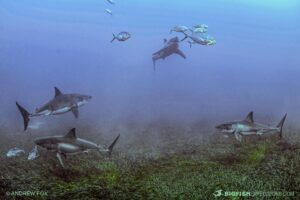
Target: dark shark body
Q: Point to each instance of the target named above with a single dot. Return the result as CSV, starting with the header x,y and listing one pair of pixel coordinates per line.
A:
x,y
249,127
70,144
60,104
171,47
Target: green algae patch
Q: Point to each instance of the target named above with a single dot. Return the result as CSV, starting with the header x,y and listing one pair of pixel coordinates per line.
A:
x,y
258,154
194,173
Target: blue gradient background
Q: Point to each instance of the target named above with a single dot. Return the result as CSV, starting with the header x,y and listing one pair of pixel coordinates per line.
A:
x,y
255,64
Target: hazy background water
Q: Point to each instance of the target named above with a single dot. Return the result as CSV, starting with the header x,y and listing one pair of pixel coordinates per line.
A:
x,y
66,43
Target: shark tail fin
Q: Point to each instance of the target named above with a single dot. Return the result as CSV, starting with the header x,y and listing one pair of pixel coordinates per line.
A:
x,y
280,125
110,148
25,114
114,37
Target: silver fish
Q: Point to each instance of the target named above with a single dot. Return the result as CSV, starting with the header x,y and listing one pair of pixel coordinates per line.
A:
x,y
111,1
122,36
14,152
108,11
33,154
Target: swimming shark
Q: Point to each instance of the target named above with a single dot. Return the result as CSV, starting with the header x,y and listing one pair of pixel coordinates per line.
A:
x,y
70,144
249,127
61,103
170,48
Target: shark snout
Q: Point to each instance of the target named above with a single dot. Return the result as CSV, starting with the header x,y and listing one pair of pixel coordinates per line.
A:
x,y
224,127
85,99
219,127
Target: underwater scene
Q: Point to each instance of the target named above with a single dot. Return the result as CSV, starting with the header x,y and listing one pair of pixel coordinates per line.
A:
x,y
132,99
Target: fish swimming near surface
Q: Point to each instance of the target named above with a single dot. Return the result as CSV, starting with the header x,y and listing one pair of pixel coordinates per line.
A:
x,y
108,11
122,36
70,144
249,127
110,1
170,47
60,104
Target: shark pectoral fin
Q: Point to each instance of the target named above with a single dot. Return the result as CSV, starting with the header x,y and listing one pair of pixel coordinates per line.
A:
x,y
238,136
75,112
180,53
58,155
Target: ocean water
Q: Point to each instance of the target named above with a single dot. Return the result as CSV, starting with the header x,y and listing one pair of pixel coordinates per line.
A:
x,y
169,147
254,66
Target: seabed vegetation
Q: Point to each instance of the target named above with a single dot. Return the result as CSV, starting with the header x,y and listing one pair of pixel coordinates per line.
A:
x,y
158,163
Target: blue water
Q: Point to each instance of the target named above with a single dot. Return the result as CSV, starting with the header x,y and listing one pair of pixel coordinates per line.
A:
x,y
66,43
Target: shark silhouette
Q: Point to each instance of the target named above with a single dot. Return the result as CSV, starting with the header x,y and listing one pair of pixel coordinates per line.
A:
x,y
249,127
61,103
70,144
171,47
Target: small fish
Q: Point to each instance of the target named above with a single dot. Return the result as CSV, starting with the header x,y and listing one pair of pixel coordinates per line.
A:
x,y
14,152
179,29
33,154
202,39
111,1
108,11
122,36
199,30
201,26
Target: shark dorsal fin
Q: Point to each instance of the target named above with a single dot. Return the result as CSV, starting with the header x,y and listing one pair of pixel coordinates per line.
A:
x,y
71,134
249,117
57,92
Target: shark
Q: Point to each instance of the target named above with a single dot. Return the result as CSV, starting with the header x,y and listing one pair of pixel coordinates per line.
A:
x,y
171,47
60,104
70,144
247,126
